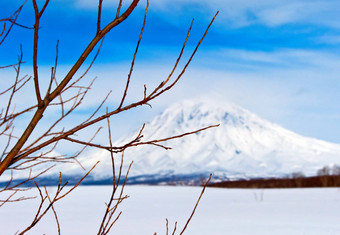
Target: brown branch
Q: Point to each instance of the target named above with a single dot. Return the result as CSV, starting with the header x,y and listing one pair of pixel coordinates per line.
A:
x,y
74,106
111,153
35,49
40,214
77,184
9,66
173,233
176,64
187,64
87,70
107,227
167,226
99,15
53,74
17,24
3,29
17,187
14,86
193,211
54,212
8,199
98,108
29,178
15,191
12,19
90,47
87,143
118,8
106,221
8,143
173,137
41,158
13,116
134,56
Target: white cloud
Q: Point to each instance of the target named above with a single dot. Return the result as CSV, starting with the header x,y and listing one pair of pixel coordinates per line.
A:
x,y
266,12
235,13
329,39
284,57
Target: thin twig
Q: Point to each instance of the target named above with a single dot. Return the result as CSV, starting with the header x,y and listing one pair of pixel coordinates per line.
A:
x,y
35,49
15,84
118,8
193,211
134,56
154,95
99,15
13,18
54,212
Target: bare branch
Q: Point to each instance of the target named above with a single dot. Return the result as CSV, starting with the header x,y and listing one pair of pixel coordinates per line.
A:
x,y
3,30
99,15
58,196
118,8
154,95
19,81
87,70
90,47
99,107
53,73
175,66
35,48
105,228
153,142
14,86
12,19
199,198
134,56
173,233
54,212
77,184
167,227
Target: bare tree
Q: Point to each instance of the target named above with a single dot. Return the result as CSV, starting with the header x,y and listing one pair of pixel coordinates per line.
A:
x,y
24,150
324,171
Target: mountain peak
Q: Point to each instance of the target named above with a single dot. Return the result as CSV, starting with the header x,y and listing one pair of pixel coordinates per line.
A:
x,y
243,146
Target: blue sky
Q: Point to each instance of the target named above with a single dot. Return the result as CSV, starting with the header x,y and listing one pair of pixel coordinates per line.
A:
x,y
279,59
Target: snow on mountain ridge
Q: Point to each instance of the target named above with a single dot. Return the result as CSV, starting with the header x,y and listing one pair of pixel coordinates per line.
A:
x,y
243,146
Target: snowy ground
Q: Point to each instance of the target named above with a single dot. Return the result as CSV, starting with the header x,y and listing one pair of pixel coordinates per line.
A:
x,y
221,211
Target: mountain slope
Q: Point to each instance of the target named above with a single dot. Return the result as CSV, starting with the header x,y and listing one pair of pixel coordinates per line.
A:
x,y
244,146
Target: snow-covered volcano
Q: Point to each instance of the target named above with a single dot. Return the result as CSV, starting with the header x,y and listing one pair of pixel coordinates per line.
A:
x,y
243,146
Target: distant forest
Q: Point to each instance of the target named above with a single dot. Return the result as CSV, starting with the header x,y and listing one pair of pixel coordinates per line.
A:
x,y
326,177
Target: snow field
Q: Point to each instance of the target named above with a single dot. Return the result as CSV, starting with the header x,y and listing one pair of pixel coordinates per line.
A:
x,y
221,211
